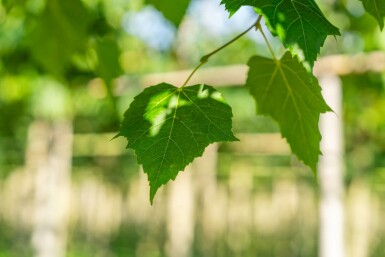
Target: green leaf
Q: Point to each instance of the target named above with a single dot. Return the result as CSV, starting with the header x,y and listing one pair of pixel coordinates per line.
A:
x,y
172,10
60,32
232,6
168,127
298,23
283,89
377,9
108,52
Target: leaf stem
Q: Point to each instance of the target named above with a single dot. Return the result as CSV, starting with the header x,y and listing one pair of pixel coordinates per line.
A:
x,y
206,57
192,73
267,42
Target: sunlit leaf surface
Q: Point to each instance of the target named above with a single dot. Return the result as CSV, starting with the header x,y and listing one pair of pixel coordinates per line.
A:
x,y
168,127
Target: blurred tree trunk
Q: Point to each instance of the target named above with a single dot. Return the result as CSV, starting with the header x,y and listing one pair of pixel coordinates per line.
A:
x,y
48,157
331,172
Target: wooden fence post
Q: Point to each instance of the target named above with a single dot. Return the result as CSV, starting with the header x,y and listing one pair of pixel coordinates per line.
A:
x,y
330,170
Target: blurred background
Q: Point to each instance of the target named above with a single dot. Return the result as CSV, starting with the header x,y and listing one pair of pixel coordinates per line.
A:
x,y
68,71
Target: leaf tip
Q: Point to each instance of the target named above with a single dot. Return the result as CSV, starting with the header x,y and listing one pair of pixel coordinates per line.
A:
x,y
313,168
153,190
381,26
151,200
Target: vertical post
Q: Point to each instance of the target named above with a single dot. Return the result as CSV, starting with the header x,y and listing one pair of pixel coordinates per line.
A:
x,y
331,172
49,155
197,181
180,223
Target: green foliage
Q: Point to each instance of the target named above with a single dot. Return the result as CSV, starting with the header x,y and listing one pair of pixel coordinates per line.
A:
x,y
283,90
168,127
108,53
233,6
172,10
297,23
377,9
59,33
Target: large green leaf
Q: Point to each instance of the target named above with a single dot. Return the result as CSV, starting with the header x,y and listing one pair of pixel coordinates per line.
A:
x,y
298,23
284,90
60,32
172,10
377,9
168,127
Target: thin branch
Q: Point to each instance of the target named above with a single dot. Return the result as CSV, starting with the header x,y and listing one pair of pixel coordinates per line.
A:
x,y
206,57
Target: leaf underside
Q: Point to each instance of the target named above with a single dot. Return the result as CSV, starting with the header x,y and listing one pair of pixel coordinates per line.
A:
x,y
168,127
298,24
377,9
284,90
